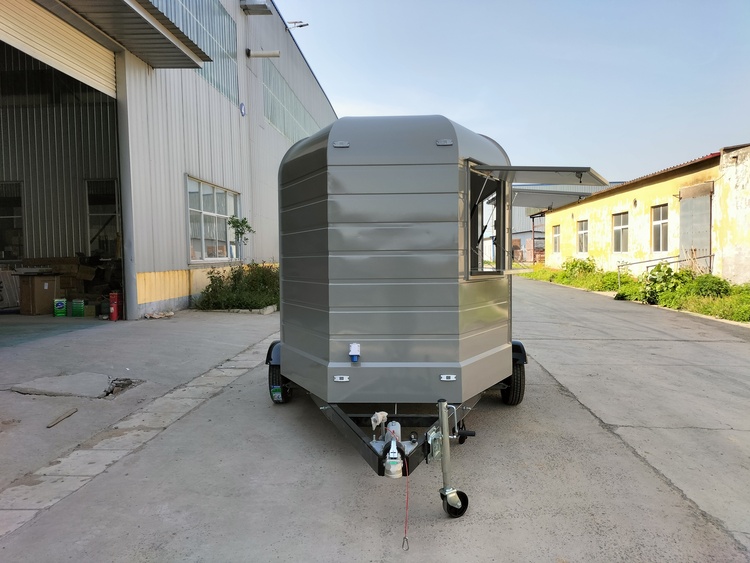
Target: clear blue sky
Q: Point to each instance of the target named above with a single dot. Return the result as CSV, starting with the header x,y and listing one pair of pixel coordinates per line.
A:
x,y
628,88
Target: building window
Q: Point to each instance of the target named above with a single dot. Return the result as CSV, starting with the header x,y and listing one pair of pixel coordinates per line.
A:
x,y
104,218
210,235
11,223
620,232
583,236
556,239
283,108
659,228
207,24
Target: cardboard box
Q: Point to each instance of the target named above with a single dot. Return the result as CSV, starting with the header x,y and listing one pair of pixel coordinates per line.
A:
x,y
52,262
86,273
38,294
65,269
8,290
71,282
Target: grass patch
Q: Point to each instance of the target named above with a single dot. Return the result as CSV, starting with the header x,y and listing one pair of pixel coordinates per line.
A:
x,y
681,289
582,274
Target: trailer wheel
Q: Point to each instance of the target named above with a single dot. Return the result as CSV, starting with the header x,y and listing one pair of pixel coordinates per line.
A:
x,y
454,512
278,385
513,394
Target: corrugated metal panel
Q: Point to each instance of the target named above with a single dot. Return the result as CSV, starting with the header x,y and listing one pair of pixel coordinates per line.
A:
x,y
55,134
147,30
179,125
35,31
268,144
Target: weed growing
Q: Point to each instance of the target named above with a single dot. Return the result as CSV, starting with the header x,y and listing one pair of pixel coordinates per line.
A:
x,y
677,289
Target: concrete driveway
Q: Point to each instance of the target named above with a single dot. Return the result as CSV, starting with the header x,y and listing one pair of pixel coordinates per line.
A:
x,y
674,386
628,411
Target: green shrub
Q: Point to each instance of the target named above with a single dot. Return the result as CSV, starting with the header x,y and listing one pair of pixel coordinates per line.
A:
x,y
582,274
630,290
562,277
541,273
708,285
677,289
661,279
610,281
576,266
731,307
243,286
673,299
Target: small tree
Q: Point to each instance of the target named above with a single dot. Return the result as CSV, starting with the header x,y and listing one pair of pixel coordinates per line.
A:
x,y
241,228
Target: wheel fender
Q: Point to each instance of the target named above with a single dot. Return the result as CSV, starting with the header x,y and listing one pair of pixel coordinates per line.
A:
x,y
519,352
273,356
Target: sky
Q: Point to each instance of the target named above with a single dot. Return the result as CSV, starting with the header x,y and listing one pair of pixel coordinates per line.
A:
x,y
628,88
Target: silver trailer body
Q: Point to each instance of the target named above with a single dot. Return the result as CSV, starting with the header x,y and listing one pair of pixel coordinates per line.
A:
x,y
383,226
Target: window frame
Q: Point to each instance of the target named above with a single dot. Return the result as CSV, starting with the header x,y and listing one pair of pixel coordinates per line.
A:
x,y
215,214
485,217
620,232
662,224
556,239
92,211
15,221
582,238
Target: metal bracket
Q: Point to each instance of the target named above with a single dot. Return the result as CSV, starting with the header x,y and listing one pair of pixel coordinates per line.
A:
x,y
341,378
434,438
448,377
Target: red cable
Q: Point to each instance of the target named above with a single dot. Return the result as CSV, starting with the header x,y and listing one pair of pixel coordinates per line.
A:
x,y
405,543
406,519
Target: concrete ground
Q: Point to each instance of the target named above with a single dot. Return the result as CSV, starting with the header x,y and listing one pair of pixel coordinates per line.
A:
x,y
162,354
630,445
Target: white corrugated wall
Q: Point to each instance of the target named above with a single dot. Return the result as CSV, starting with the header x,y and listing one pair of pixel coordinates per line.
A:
x,y
268,145
177,125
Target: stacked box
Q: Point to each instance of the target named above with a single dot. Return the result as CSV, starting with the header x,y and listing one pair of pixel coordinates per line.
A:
x,y
60,307
78,308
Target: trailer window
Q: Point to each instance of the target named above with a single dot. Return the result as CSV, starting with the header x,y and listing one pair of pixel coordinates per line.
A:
x,y
486,219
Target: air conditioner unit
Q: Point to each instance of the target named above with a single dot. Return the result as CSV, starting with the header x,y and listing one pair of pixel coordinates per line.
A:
x,y
255,8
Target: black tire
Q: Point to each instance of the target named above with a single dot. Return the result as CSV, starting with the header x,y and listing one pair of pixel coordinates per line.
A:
x,y
278,385
513,394
454,512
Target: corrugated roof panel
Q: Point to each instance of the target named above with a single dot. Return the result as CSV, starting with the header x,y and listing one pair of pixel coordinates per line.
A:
x,y
143,30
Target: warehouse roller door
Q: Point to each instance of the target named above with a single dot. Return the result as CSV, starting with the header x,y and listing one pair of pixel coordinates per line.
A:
x,y
37,32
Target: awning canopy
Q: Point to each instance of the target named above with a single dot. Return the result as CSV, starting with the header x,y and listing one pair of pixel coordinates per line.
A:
x,y
584,175
539,197
545,199
137,25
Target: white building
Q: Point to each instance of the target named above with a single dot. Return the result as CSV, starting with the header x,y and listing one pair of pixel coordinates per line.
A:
x,y
131,130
